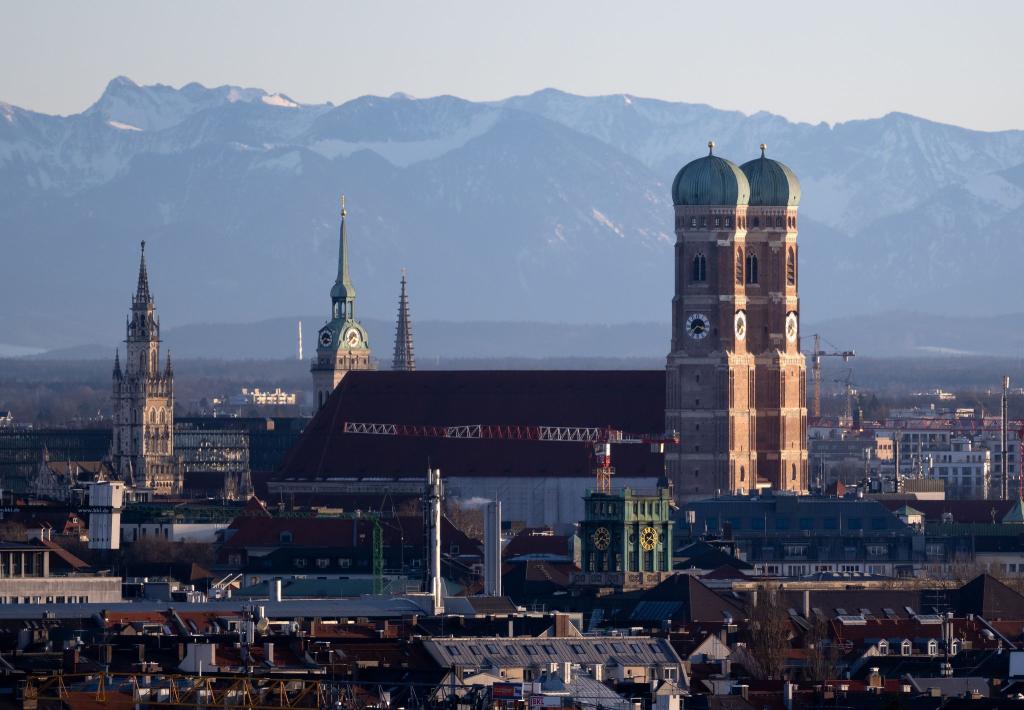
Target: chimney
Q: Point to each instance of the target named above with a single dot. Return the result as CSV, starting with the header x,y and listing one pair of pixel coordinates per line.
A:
x,y
807,604
511,626
433,497
274,590
597,671
492,549
787,695
745,692
564,671
874,679
268,652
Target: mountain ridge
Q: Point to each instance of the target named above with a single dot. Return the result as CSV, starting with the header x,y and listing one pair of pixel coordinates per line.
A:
x,y
547,206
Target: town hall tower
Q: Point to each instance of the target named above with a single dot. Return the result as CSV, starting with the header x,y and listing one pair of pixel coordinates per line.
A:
x,y
142,449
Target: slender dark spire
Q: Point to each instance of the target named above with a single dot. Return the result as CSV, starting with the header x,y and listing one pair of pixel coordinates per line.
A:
x,y
343,289
142,294
404,359
168,370
117,363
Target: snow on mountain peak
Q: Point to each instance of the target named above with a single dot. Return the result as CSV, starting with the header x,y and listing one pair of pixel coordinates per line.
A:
x,y
278,100
123,126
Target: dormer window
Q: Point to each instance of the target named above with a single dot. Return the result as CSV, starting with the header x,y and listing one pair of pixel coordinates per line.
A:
x,y
883,648
933,647
906,648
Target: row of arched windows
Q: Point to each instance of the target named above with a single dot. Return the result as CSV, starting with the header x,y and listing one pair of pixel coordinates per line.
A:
x,y
719,222
746,272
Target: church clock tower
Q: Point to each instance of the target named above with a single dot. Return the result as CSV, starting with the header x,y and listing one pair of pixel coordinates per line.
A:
x,y
710,372
142,450
774,306
342,344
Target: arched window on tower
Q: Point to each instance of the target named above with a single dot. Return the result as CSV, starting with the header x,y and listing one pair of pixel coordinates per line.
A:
x,y
778,221
739,266
791,267
699,267
757,221
751,268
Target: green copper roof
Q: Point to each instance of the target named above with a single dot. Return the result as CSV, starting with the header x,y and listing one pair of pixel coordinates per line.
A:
x,y
772,184
1015,514
710,181
343,289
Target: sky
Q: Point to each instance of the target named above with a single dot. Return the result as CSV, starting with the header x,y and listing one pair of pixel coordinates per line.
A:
x,y
954,62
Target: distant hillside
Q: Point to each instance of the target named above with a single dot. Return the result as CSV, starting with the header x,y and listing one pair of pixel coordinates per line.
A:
x,y
542,208
883,335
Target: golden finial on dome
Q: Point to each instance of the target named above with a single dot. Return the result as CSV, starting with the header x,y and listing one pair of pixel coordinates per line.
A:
x,y
764,147
711,147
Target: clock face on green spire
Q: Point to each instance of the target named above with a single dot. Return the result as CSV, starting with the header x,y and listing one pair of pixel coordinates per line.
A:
x,y
353,338
326,338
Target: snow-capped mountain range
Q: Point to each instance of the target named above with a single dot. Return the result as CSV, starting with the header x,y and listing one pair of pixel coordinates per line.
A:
x,y
548,207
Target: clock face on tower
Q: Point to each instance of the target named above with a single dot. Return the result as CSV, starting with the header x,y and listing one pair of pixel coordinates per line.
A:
x,y
791,327
698,326
326,338
648,538
740,323
352,337
601,538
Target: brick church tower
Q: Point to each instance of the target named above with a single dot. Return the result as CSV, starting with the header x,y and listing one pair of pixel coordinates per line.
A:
x,y
774,306
710,374
342,344
735,376
142,450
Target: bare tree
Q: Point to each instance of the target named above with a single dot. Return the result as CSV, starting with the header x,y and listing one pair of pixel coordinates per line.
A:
x,y
770,631
822,654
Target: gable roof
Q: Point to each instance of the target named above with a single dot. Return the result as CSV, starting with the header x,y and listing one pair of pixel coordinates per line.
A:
x,y
630,400
988,597
682,597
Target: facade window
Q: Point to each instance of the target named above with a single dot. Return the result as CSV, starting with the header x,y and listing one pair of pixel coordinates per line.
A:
x,y
728,221
718,221
757,221
791,267
700,267
300,562
285,537
739,266
792,476
751,268
743,474
703,222
322,562
778,221
693,221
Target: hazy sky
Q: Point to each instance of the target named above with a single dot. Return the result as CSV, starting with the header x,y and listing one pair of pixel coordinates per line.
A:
x,y
821,60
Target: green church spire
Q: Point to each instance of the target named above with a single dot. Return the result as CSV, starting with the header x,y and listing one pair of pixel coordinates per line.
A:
x,y
343,293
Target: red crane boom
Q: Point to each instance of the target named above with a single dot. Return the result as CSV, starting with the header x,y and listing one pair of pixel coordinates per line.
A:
x,y
601,437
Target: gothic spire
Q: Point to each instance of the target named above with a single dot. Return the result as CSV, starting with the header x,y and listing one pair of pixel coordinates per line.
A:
x,y
117,363
168,371
142,294
404,359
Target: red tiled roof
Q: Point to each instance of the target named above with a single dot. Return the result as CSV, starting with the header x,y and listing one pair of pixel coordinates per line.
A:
x,y
633,401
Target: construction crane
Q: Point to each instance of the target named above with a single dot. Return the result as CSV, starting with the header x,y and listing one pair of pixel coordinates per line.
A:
x,y
850,389
816,356
601,438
